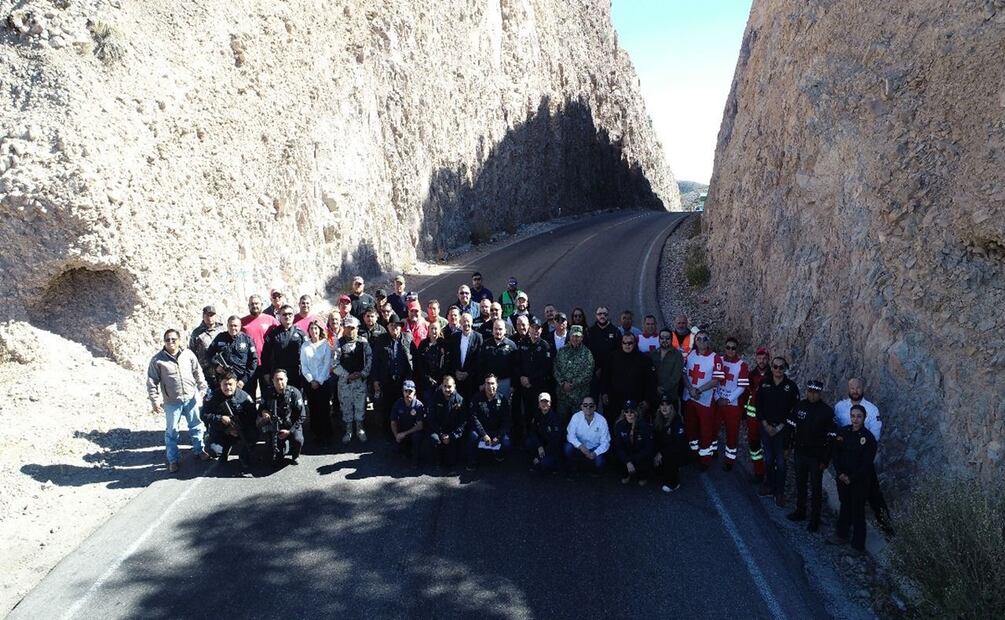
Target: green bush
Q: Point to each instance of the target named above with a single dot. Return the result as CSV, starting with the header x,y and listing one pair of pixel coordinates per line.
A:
x,y
696,267
951,545
481,232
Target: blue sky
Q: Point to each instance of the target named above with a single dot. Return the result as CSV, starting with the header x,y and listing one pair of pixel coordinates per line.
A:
x,y
685,52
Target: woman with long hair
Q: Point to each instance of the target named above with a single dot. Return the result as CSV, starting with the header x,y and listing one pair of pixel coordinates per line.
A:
x,y
316,367
632,441
670,443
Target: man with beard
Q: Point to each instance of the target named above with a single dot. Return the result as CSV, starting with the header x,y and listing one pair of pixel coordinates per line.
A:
x,y
371,330
282,349
256,324
522,309
230,416
484,315
234,352
682,338
873,422
603,339
630,377
703,372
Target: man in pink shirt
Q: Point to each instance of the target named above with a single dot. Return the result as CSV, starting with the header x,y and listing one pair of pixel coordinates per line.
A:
x,y
256,325
305,317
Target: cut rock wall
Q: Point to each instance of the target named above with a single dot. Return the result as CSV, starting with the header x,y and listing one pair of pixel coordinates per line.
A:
x,y
155,157
860,173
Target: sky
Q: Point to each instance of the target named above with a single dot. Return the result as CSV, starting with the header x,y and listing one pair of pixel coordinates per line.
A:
x,y
684,52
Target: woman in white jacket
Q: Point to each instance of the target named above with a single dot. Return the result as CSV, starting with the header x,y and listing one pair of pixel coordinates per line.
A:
x,y
316,367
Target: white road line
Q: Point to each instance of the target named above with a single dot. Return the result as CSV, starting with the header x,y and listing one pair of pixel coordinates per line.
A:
x,y
748,558
645,269
83,600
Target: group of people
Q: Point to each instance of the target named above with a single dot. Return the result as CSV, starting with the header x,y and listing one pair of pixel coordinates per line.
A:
x,y
490,377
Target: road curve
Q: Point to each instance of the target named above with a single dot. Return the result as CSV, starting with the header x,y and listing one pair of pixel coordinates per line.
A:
x,y
359,535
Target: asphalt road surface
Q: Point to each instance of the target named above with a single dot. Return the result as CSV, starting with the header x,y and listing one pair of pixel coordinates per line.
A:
x,y
360,535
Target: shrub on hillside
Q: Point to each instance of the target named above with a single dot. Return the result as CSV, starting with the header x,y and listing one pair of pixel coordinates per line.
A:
x,y
481,232
695,266
951,544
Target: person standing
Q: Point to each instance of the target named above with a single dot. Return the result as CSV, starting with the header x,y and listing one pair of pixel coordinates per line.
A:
x,y
649,339
873,422
408,417
256,324
776,398
202,337
703,373
230,416
433,314
522,309
499,357
282,348
633,444
432,359
587,438
536,370
681,338
559,335
316,368
465,357
484,315
630,377
729,398
489,423
278,301
478,290
854,452
495,314
233,351
303,319
507,300
281,418
465,304
415,327
176,387
669,364
392,366
573,373
371,330
603,340
397,298
670,442
812,423
359,299
352,365
627,325
756,375
448,417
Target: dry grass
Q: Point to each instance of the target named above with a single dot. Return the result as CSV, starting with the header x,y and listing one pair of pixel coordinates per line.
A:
x,y
109,45
696,266
951,545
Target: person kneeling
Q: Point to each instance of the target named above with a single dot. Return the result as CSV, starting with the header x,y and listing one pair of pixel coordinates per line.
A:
x,y
407,420
633,444
490,423
587,438
230,416
546,436
281,418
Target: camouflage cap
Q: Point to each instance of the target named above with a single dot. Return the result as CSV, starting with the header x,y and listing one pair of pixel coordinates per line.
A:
x,y
576,330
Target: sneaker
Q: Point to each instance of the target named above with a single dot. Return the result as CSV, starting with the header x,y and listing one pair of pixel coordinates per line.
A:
x,y
626,480
346,438
173,468
666,489
361,435
796,515
293,461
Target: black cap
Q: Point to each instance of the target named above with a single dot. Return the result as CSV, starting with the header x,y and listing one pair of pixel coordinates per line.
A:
x,y
380,293
535,322
665,399
815,384
629,406
561,317
210,310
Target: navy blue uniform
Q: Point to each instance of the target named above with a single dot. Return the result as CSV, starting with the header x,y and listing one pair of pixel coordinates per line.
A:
x,y
405,418
670,442
447,417
854,452
240,409
547,431
237,354
633,443
488,417
812,427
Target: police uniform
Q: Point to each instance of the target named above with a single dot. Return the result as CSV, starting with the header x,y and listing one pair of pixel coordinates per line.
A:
x,y
536,361
406,417
237,354
287,411
282,350
774,404
854,452
546,431
488,417
812,426
633,443
447,416
240,408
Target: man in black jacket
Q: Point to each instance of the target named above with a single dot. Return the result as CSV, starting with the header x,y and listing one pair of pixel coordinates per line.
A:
x,y
489,423
603,339
281,418
447,418
535,369
370,330
230,416
392,365
630,376
812,423
854,452
776,398
281,350
499,357
464,353
233,351
632,442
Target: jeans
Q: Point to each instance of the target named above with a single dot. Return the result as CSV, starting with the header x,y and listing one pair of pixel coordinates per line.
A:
x,y
575,459
774,461
173,413
473,440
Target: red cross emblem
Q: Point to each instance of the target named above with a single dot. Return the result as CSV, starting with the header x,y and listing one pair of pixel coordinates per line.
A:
x,y
729,375
696,374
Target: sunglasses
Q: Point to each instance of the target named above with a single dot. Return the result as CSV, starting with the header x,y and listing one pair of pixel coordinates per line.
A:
x,y
702,339
730,347
588,405
777,367
601,314
627,343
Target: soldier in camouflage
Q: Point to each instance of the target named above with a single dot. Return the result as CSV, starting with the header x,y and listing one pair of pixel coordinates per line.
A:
x,y
353,360
573,372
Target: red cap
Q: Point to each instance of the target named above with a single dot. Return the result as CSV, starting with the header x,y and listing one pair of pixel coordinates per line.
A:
x,y
762,351
414,305
343,298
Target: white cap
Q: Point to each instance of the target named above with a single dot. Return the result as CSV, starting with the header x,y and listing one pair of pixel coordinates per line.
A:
x,y
544,396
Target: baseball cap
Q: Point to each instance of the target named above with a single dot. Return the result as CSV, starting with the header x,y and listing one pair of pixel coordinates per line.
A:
x,y
535,322
350,321
408,385
380,293
630,405
275,292
544,396
414,305
815,385
344,298
665,399
522,295
210,310
561,318
761,351
576,330
357,279
512,281
399,278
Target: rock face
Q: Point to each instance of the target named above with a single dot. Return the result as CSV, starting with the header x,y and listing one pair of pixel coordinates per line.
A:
x,y
860,172
155,157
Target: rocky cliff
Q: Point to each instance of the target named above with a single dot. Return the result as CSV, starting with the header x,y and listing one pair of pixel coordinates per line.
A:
x,y
155,157
856,216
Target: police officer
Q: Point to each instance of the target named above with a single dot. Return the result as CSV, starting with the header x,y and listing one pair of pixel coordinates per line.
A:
x,y
812,423
230,416
489,423
776,398
604,339
854,451
573,373
233,351
447,417
499,357
632,442
352,365
408,421
392,365
282,348
546,436
281,418
670,442
535,369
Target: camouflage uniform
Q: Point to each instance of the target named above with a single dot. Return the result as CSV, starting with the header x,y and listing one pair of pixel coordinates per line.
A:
x,y
352,356
575,365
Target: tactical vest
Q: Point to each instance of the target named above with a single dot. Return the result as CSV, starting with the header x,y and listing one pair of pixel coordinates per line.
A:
x,y
354,361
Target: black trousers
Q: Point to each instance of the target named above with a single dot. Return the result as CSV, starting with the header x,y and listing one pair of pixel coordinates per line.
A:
x,y
876,501
852,514
410,446
672,457
809,477
446,454
221,443
320,410
390,392
291,445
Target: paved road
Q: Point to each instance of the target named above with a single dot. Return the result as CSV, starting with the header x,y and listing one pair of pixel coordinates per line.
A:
x,y
359,535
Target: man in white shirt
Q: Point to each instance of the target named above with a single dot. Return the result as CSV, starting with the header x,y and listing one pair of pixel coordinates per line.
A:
x,y
587,438
559,334
842,418
649,339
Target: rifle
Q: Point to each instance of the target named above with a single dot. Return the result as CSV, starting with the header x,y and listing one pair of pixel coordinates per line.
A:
x,y
236,428
274,430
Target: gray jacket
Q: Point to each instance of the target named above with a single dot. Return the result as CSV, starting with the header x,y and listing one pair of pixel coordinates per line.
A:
x,y
176,379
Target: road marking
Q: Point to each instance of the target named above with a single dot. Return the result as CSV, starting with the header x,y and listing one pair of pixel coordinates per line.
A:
x,y
133,548
645,267
748,558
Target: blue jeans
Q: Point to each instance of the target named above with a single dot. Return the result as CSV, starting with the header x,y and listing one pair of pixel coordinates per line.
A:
x,y
575,459
173,413
473,440
774,460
